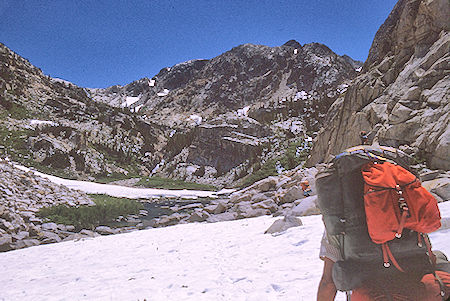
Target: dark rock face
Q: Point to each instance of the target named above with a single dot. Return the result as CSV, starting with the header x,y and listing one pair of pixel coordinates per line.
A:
x,y
402,95
225,143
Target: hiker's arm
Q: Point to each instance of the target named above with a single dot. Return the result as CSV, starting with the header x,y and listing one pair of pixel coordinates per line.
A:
x,y
327,289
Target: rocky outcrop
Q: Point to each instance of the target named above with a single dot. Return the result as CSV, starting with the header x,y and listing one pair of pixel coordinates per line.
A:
x,y
402,95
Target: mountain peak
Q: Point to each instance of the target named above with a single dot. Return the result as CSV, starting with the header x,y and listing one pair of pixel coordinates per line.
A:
x,y
293,43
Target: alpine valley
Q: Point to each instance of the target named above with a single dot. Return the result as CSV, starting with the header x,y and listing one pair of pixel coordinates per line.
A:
x,y
256,119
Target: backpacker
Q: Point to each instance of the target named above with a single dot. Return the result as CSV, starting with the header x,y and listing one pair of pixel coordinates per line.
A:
x,y
377,214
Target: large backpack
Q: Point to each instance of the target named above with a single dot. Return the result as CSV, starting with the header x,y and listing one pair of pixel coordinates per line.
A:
x,y
377,214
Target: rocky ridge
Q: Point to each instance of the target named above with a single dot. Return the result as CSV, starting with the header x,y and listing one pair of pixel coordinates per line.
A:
x,y
402,96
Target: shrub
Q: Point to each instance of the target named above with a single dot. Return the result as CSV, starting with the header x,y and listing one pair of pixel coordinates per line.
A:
x,y
267,169
165,183
105,212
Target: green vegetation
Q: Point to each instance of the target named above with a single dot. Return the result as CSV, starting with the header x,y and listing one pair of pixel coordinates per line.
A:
x,y
115,176
13,142
165,183
13,110
296,153
105,211
261,172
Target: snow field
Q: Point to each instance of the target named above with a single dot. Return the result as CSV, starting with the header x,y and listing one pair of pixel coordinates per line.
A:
x,y
199,261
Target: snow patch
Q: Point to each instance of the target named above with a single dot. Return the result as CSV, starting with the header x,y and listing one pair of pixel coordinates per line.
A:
x,y
129,100
243,111
136,109
342,88
151,83
303,95
165,92
197,119
158,166
46,122
62,81
121,191
358,69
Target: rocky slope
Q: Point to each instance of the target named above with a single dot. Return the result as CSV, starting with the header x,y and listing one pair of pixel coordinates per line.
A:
x,y
55,126
22,195
248,104
403,93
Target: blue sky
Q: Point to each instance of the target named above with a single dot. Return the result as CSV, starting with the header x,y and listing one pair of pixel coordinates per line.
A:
x,y
102,43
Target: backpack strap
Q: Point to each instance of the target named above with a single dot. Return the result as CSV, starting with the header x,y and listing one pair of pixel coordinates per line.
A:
x,y
388,256
433,262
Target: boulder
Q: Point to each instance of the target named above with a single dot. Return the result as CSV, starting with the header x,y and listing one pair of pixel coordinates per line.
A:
x,y
294,193
49,237
306,206
284,224
430,175
88,233
29,242
198,216
169,220
221,208
74,236
5,242
245,210
222,217
258,197
239,197
268,204
20,235
49,226
104,230
266,184
439,186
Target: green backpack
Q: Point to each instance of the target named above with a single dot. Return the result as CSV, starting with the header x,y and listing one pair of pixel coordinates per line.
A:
x,y
340,190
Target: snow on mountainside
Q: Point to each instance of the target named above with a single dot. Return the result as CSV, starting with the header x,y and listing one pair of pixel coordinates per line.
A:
x,y
221,261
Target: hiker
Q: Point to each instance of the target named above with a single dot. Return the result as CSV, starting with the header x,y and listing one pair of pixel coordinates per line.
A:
x,y
329,254
364,136
425,290
306,188
372,249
